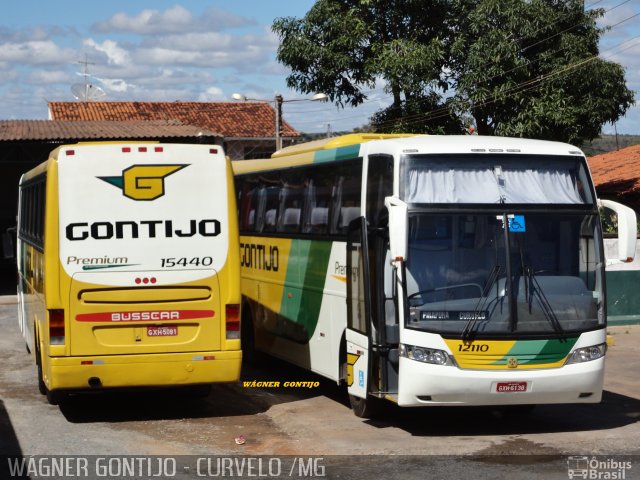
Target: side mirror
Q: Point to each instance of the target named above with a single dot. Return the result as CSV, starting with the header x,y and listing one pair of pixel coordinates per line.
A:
x,y
398,220
627,231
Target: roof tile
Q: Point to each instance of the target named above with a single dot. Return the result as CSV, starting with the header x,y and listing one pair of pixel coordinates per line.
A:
x,y
16,130
617,171
231,119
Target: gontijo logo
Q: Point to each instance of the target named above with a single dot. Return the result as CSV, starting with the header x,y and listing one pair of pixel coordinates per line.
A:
x,y
143,182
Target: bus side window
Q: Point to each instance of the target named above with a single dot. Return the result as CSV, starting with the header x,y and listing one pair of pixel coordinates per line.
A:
x,y
317,200
379,185
248,204
40,213
346,200
290,208
269,212
32,205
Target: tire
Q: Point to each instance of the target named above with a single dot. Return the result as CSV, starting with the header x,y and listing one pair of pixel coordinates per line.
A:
x,y
250,356
198,391
42,388
54,397
369,407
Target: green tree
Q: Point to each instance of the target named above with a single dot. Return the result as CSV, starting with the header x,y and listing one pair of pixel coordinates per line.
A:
x,y
516,67
341,47
409,116
531,69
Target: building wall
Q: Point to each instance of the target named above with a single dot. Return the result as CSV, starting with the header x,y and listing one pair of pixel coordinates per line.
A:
x,y
252,149
623,286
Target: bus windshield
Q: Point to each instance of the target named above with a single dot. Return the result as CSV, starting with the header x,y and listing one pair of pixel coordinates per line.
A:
x,y
500,274
495,179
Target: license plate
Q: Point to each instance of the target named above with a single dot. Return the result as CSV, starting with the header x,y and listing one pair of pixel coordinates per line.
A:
x,y
162,331
511,387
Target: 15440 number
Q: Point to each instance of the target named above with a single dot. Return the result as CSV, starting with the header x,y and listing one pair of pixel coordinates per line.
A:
x,y
172,262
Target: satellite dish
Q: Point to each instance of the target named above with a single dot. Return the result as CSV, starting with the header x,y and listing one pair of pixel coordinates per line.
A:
x,y
87,92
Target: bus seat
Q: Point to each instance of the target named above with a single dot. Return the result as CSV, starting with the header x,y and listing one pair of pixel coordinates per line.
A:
x,y
319,216
347,215
270,218
291,217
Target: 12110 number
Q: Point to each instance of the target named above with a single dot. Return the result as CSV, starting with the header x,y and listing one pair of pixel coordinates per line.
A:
x,y
172,262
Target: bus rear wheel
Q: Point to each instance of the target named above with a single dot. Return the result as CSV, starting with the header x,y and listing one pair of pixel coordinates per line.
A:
x,y
53,397
42,388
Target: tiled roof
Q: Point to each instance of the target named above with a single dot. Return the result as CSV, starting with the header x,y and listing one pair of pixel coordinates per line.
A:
x,y
617,172
231,119
16,130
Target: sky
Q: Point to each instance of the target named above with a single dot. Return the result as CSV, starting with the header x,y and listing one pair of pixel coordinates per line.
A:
x,y
197,50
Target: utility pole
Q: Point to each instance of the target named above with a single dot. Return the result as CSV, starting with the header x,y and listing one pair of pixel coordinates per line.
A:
x,y
279,101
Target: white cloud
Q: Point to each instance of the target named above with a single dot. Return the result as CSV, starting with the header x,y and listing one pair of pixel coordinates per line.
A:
x,y
48,77
211,94
173,20
115,54
35,53
116,84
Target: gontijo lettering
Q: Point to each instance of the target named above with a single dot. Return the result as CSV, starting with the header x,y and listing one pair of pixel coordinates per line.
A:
x,y
258,257
142,229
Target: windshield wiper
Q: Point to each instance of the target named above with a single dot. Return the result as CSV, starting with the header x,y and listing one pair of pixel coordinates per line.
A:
x,y
470,326
533,286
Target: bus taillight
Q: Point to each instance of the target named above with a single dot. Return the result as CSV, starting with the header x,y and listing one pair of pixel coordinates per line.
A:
x,y
233,320
56,327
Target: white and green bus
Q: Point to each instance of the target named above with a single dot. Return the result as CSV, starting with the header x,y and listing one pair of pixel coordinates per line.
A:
x,y
429,270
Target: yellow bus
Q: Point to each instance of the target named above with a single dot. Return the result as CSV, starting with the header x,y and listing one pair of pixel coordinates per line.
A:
x,y
429,270
128,267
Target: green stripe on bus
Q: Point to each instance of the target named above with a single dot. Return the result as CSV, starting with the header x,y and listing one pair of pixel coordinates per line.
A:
x,y
341,153
304,283
293,281
538,352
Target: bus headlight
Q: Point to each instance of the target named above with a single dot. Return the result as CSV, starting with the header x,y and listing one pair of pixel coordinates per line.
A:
x,y
587,354
426,355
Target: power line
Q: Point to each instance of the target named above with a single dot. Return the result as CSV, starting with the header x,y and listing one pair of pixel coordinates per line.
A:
x,y
511,91
514,90
518,88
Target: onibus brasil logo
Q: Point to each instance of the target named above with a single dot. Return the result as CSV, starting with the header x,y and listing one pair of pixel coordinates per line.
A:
x,y
143,182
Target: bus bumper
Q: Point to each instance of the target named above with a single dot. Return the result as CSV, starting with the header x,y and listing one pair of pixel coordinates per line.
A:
x,y
149,370
422,384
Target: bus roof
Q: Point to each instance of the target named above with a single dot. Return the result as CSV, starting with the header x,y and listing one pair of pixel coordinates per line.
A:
x,y
336,142
316,151
353,145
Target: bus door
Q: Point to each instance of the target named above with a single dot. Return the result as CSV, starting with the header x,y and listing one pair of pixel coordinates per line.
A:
x,y
358,334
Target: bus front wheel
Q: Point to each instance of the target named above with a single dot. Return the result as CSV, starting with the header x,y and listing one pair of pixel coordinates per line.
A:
x,y
250,355
365,407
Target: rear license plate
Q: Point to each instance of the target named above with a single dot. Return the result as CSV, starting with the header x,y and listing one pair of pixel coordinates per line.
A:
x,y
511,387
162,331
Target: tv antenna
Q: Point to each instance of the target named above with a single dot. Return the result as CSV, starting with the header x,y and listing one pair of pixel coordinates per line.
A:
x,y
87,91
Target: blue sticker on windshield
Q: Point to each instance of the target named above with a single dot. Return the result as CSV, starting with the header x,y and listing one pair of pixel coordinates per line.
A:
x,y
516,224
